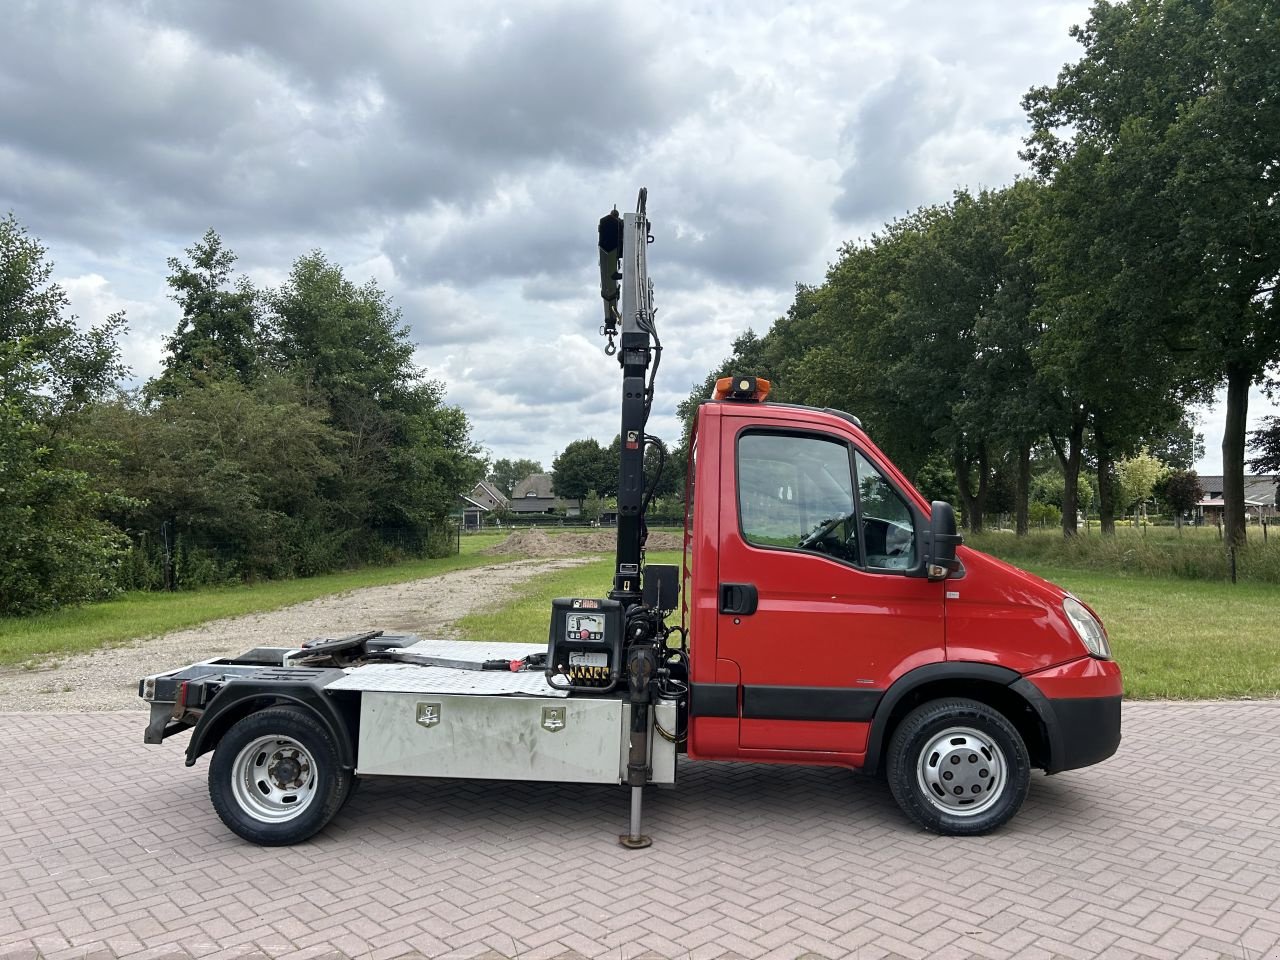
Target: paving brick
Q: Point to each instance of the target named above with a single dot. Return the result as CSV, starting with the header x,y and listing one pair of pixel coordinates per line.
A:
x,y
748,861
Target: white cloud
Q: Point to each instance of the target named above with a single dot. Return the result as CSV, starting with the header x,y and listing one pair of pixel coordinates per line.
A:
x,y
460,155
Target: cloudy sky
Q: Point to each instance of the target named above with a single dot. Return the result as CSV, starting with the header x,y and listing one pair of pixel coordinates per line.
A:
x,y
461,153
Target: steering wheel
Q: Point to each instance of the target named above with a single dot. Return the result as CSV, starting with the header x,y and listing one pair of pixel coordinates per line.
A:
x,y
822,531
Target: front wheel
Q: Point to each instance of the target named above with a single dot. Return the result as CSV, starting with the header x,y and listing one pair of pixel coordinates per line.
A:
x,y
275,778
958,767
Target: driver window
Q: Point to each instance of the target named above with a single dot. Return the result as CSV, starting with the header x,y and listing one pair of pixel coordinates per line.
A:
x,y
887,526
796,492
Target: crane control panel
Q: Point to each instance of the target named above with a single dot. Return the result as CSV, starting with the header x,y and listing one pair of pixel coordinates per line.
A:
x,y
584,648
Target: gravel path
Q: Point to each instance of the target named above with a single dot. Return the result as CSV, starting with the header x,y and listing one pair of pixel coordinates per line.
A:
x,y
108,679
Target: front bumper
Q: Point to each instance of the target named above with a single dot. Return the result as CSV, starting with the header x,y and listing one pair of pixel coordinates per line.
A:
x,y
1079,705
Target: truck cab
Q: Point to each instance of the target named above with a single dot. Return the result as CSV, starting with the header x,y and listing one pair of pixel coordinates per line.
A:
x,y
821,631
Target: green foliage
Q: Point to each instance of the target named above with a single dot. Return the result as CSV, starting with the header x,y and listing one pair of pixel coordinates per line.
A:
x,y
1160,144
404,454
1043,514
936,480
581,467
593,505
1180,490
1050,488
54,550
218,335
234,474
1142,551
1265,445
1138,476
344,344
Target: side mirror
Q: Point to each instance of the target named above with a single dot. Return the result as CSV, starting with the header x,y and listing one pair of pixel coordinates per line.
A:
x,y
941,542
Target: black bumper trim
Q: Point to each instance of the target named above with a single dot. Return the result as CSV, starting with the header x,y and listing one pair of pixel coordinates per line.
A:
x,y
713,700
1081,730
809,703
760,702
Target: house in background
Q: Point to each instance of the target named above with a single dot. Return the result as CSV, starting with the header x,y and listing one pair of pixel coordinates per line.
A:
x,y
1259,498
481,503
533,495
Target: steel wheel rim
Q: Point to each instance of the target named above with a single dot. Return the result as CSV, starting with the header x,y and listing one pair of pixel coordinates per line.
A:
x,y
962,772
274,779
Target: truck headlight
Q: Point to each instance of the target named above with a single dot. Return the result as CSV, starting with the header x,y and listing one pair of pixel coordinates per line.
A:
x,y
1087,628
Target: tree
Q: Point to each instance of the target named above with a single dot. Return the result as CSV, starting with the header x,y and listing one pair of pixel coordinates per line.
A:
x,y
966,305
580,468
1050,488
936,479
505,474
1182,491
1265,442
218,336
1138,476
49,367
237,475
406,454
1172,117
54,550
593,505
344,344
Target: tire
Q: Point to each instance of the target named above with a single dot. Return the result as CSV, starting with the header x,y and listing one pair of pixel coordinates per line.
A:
x,y
275,778
958,767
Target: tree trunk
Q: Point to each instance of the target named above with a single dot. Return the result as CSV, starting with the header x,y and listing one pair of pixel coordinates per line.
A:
x,y
1070,460
1106,493
984,485
1023,493
974,501
961,463
1233,438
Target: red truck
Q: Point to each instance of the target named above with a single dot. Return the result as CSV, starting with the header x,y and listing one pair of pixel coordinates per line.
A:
x,y
829,616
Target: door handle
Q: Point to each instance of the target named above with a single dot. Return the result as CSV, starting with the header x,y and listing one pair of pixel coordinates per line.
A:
x,y
739,598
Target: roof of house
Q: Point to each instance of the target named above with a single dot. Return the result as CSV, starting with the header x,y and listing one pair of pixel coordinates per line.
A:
x,y
1258,488
484,486
534,485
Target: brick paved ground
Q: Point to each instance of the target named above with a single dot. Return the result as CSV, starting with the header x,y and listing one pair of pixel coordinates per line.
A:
x,y
1171,849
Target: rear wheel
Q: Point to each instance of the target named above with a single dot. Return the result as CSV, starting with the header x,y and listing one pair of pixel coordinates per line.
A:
x,y
275,778
958,767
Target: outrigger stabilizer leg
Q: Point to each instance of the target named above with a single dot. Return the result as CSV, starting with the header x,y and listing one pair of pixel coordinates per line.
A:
x,y
641,664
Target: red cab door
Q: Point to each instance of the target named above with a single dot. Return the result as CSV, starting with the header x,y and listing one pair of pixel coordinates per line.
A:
x,y
821,604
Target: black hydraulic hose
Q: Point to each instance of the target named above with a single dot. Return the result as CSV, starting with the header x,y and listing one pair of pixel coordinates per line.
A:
x,y
651,440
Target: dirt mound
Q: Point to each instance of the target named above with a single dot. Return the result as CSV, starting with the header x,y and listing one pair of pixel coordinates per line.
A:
x,y
539,543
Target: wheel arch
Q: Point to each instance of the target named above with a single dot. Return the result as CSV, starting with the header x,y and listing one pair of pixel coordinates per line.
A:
x,y
236,701
983,682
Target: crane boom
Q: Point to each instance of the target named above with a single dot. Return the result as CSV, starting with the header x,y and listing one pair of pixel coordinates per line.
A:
x,y
624,275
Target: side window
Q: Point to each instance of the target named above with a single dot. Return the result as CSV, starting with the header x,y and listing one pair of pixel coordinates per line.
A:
x,y
888,529
797,492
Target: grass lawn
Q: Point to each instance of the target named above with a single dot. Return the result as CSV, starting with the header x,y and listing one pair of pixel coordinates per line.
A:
x,y
81,629
527,618
1174,638
1184,639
